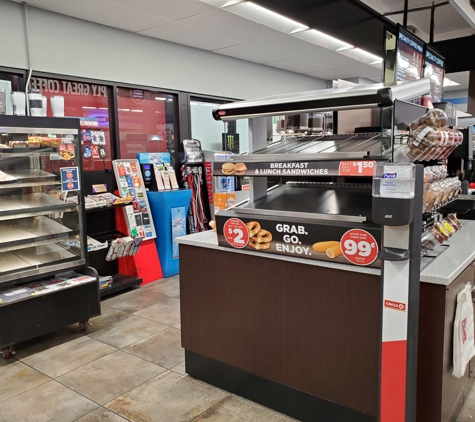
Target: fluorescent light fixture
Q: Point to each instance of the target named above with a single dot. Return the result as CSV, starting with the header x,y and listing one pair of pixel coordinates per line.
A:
x,y
323,40
363,57
137,111
466,9
170,99
89,108
124,109
160,99
450,82
253,12
103,108
221,3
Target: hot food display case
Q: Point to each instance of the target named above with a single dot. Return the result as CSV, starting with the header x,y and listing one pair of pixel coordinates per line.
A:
x,y
45,283
336,288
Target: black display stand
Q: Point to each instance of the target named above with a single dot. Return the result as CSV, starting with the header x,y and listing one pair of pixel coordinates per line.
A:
x,y
101,225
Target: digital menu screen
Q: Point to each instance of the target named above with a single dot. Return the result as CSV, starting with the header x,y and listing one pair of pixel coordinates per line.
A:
x,y
409,57
435,70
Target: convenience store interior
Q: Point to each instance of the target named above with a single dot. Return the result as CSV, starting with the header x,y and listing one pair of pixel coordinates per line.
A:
x,y
189,56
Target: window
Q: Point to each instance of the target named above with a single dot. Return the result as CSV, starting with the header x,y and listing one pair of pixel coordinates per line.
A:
x,y
146,122
89,102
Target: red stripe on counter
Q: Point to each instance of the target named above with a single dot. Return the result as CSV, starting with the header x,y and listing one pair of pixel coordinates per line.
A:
x,y
393,381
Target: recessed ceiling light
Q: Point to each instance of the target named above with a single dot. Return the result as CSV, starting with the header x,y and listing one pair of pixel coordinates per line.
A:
x,y
160,99
363,57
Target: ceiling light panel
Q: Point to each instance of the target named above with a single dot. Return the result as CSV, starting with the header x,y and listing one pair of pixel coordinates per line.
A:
x,y
363,57
265,17
323,40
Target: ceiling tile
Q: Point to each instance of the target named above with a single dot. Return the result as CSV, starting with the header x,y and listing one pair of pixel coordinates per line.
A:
x,y
291,46
231,26
361,71
251,53
167,9
102,12
335,60
182,34
300,65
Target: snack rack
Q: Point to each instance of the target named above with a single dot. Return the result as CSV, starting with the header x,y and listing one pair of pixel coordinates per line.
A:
x,y
311,219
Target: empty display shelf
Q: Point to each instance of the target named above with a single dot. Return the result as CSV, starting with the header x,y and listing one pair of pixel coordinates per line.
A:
x,y
32,231
17,206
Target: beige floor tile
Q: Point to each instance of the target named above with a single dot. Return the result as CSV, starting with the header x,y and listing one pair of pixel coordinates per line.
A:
x,y
467,413
68,356
50,402
42,343
134,300
163,348
180,368
166,311
127,331
107,319
235,409
169,397
178,326
168,286
18,378
101,415
107,378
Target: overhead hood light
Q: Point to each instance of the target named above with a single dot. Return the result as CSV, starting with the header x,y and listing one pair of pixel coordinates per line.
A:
x,y
363,57
253,12
450,82
323,40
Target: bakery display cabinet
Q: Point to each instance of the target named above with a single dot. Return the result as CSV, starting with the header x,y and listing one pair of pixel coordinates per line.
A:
x,y
45,283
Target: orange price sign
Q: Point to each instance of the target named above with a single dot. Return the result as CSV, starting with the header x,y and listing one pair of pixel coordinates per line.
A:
x,y
357,168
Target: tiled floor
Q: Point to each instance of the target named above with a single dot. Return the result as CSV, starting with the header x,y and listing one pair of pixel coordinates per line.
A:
x,y
128,366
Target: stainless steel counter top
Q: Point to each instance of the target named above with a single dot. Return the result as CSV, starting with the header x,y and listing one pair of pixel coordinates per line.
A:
x,y
442,270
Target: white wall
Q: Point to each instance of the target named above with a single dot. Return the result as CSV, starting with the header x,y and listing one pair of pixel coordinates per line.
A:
x,y
70,46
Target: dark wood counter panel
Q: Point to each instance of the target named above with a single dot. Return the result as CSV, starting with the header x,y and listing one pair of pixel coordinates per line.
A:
x,y
313,329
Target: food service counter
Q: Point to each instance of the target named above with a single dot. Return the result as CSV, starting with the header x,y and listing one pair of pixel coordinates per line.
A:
x,y
302,336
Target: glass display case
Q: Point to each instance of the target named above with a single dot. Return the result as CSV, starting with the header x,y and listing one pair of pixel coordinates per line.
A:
x,y
45,283
41,211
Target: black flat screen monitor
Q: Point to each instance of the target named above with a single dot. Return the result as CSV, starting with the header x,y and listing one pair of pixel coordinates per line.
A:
x,y
409,56
434,69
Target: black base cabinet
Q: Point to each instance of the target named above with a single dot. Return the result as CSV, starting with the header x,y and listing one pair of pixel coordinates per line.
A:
x,y
30,318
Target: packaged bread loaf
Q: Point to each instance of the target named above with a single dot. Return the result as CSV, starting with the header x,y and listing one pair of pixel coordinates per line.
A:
x,y
435,117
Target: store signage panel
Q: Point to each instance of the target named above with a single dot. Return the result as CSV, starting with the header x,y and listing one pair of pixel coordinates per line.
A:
x,y
69,179
435,71
296,168
409,57
329,241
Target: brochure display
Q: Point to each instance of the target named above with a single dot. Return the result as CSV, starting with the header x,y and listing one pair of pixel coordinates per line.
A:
x,y
130,183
